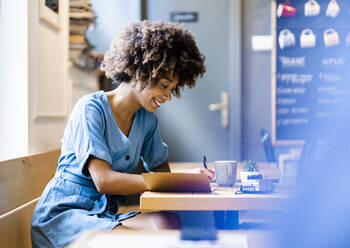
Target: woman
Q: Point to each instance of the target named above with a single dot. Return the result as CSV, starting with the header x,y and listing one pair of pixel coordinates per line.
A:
x,y
108,133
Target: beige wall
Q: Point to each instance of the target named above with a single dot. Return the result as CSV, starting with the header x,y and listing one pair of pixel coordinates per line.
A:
x,y
82,83
49,91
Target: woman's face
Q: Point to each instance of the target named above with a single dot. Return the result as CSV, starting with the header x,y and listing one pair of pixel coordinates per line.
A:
x,y
153,97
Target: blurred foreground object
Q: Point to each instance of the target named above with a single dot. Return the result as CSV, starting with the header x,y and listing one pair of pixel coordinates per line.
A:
x,y
320,216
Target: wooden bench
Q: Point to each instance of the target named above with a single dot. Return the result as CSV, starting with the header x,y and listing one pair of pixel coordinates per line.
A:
x,y
22,181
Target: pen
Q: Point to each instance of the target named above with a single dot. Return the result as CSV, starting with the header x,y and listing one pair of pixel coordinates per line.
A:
x,y
205,162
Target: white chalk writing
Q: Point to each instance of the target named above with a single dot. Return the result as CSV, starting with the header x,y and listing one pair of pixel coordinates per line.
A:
x,y
333,61
286,111
292,121
323,89
301,110
292,61
330,90
286,101
293,78
329,78
289,91
282,111
329,101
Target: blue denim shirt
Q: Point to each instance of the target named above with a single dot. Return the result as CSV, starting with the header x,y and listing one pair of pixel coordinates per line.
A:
x,y
70,203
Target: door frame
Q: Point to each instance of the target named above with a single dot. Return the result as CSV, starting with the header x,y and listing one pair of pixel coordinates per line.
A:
x,y
235,80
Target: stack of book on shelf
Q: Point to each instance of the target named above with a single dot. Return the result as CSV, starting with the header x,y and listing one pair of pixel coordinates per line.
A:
x,y
81,16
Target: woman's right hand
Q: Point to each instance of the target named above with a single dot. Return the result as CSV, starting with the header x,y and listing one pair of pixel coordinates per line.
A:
x,y
208,172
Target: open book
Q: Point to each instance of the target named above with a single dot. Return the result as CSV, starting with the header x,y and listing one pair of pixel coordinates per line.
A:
x,y
177,182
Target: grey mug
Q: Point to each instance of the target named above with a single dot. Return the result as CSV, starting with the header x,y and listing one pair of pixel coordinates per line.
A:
x,y
225,171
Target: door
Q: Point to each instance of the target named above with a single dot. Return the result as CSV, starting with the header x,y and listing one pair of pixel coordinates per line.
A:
x,y
186,124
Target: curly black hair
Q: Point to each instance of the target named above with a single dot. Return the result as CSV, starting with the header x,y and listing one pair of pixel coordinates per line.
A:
x,y
146,51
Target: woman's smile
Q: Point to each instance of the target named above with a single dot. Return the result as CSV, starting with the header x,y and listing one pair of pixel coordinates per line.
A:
x,y
157,102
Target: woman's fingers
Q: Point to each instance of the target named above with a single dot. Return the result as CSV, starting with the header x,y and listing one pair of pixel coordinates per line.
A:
x,y
209,173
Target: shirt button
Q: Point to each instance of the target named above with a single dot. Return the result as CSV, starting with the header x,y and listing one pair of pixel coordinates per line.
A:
x,y
127,157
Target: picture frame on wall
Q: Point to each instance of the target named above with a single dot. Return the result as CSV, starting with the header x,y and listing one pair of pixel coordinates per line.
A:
x,y
49,15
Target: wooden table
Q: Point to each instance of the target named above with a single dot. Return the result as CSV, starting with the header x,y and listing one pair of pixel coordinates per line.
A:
x,y
201,212
221,198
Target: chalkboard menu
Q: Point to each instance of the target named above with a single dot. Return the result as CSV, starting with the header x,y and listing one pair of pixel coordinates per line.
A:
x,y
311,69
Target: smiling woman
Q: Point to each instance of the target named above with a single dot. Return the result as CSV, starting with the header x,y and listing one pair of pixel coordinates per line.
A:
x,y
149,51
108,133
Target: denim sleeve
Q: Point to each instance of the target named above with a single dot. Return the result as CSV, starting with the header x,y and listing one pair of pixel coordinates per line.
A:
x,y
88,135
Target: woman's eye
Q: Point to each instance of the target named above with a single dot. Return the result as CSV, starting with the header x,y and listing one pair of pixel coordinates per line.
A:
x,y
164,86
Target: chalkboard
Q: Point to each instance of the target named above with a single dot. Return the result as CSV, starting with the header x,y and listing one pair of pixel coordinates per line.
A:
x,y
310,66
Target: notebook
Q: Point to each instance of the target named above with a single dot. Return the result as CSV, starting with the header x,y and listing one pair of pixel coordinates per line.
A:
x,y
177,182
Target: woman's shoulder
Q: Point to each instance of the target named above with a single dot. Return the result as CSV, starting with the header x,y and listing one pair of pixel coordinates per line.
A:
x,y
95,100
90,106
94,97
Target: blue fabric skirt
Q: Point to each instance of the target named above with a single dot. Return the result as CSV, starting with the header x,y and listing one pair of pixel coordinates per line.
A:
x,y
69,206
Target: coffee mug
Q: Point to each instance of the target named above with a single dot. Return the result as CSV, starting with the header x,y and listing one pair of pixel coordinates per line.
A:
x,y
332,9
331,37
286,38
311,8
284,10
225,172
307,38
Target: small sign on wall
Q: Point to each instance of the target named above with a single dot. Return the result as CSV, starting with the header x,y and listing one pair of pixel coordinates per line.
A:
x,y
184,16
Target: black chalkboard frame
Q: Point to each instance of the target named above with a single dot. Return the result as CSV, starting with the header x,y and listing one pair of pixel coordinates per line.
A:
x,y
319,24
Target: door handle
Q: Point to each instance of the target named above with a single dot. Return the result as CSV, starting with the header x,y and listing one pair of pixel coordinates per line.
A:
x,y
223,106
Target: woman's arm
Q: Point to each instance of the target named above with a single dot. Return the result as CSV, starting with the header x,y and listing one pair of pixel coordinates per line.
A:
x,y
108,181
